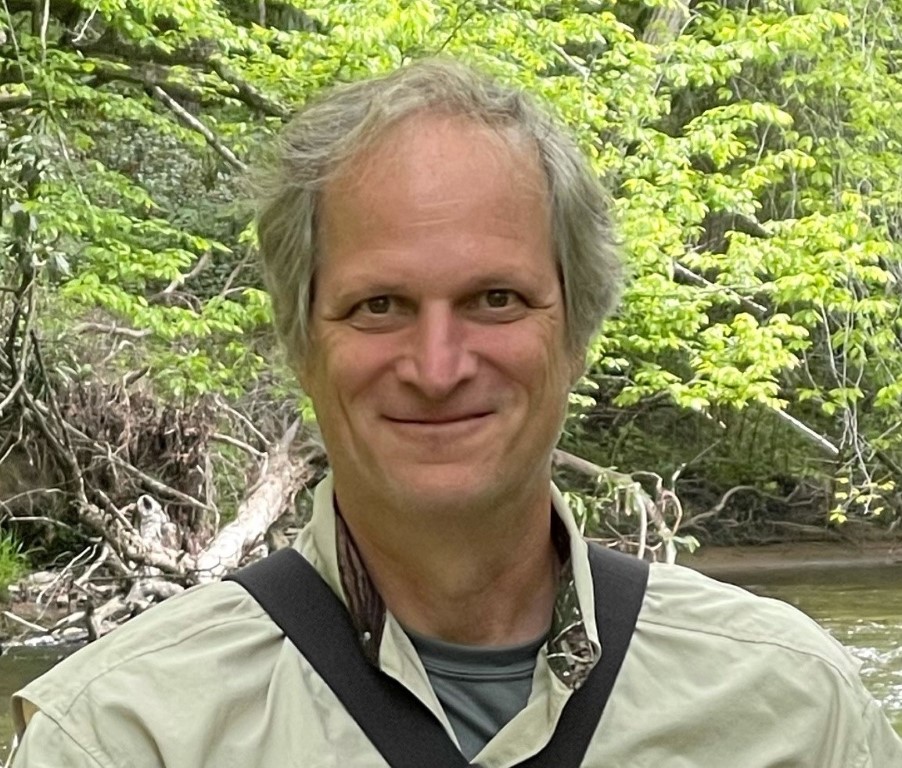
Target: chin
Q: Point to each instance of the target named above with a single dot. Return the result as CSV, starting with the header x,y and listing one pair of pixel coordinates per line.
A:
x,y
432,489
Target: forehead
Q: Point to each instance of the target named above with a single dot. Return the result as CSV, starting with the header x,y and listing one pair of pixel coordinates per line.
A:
x,y
437,160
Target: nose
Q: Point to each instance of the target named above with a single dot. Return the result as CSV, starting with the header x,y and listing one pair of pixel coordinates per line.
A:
x,y
438,359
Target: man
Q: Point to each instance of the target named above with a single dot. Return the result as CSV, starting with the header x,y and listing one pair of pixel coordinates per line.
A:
x,y
439,254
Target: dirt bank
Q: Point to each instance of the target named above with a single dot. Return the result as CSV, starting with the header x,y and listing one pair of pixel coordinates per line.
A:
x,y
720,561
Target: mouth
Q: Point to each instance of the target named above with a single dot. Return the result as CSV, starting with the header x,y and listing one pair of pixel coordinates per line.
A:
x,y
440,420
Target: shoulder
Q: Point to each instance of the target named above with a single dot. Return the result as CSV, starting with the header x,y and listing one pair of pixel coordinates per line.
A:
x,y
205,679
184,640
714,659
715,616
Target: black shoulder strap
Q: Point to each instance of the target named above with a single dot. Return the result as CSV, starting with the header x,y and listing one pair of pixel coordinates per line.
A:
x,y
398,724
619,581
312,617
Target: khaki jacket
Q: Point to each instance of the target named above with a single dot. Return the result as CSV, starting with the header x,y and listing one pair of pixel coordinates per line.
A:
x,y
714,678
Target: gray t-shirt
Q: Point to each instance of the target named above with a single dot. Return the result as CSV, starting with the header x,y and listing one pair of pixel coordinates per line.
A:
x,y
480,688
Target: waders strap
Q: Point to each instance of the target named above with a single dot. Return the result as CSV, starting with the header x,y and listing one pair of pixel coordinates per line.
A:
x,y
398,724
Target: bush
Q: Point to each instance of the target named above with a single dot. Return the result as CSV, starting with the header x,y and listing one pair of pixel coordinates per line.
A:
x,y
13,561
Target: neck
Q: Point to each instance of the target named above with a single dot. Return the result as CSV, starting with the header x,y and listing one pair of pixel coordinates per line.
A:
x,y
483,577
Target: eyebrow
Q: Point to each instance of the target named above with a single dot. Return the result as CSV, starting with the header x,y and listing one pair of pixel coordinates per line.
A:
x,y
363,288
500,280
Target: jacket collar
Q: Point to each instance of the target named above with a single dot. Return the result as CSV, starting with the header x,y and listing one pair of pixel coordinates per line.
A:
x,y
572,647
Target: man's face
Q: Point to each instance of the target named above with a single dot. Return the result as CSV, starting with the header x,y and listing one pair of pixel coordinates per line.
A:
x,y
438,362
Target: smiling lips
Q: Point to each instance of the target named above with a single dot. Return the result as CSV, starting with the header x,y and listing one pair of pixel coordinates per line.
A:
x,y
439,421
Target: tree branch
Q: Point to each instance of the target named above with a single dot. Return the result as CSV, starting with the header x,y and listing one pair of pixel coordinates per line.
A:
x,y
199,267
146,74
694,278
14,101
202,54
110,44
112,330
248,94
635,497
807,432
187,119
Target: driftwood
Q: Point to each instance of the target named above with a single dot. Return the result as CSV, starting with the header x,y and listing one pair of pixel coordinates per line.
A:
x,y
263,505
140,559
154,547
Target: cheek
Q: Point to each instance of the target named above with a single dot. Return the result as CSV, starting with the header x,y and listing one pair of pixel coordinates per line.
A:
x,y
353,366
535,362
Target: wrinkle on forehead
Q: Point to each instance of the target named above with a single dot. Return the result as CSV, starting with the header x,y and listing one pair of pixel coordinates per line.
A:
x,y
404,166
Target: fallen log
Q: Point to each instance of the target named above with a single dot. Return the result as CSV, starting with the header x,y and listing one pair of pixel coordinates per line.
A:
x,y
282,478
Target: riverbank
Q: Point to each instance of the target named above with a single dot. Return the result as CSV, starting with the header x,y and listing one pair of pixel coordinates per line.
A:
x,y
719,562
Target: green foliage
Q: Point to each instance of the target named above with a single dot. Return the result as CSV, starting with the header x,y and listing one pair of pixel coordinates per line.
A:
x,y
13,561
753,153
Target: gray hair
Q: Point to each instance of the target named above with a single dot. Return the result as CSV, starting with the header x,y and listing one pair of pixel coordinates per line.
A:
x,y
335,129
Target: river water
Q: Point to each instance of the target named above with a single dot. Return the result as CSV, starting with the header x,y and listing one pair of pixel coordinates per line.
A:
x,y
859,605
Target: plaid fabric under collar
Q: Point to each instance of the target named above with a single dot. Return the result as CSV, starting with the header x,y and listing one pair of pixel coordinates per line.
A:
x,y
571,654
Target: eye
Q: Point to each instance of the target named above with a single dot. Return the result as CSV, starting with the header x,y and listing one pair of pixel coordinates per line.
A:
x,y
378,305
382,312
498,298
498,305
